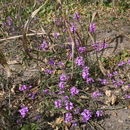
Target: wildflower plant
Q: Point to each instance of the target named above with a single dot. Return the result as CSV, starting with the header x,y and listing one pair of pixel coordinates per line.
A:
x,y
69,85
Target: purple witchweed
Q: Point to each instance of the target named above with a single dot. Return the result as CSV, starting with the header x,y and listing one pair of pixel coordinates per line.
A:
x,y
119,83
103,81
76,16
23,111
81,50
85,72
61,64
72,28
23,88
69,106
121,63
58,103
115,73
79,61
127,96
61,92
46,91
110,75
51,62
48,71
56,35
74,91
86,115
63,77
62,85
129,62
99,113
89,80
44,46
96,94
99,46
68,117
92,27
9,21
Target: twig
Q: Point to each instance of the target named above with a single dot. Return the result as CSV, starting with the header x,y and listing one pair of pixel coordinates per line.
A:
x,y
20,36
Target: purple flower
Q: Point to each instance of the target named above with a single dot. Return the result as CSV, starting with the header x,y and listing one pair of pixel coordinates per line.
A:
x,y
92,27
76,16
99,113
127,96
96,94
48,71
68,117
61,92
46,91
23,88
99,46
86,115
56,35
79,61
30,86
9,21
61,64
37,117
121,63
115,73
81,50
89,80
62,85
69,106
58,103
32,95
74,91
23,111
63,77
65,98
72,28
85,72
103,81
119,83
129,62
51,62
44,46
109,75
74,124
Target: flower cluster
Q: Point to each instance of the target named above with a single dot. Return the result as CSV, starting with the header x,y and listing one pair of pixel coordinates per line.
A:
x,y
86,115
99,113
99,46
79,61
76,16
85,75
96,94
68,117
73,28
58,103
24,87
82,50
44,46
23,111
92,27
74,91
48,71
121,63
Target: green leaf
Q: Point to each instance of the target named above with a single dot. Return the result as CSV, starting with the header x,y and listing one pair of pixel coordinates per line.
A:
x,y
30,126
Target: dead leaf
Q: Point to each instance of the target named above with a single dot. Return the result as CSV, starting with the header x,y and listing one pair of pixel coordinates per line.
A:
x,y
113,99
58,121
108,93
13,89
